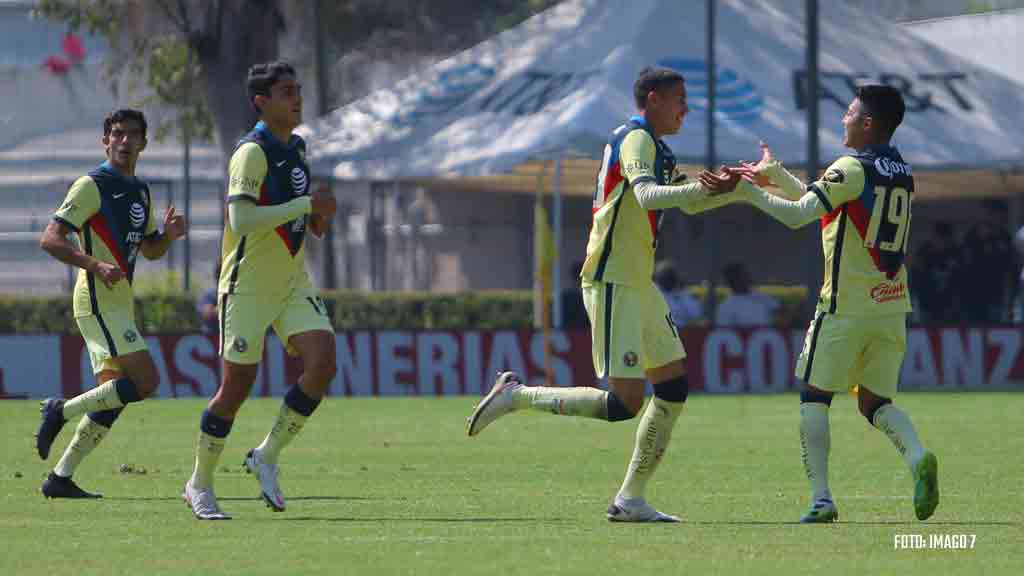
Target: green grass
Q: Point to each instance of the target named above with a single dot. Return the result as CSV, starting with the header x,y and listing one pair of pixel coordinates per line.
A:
x,y
393,486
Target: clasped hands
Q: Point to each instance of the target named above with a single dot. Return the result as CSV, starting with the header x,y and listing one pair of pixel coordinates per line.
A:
x,y
727,177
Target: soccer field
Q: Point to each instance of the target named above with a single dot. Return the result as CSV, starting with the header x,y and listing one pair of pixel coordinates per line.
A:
x,y
394,486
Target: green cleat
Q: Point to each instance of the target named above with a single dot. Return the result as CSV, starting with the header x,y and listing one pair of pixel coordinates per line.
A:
x,y
926,486
821,512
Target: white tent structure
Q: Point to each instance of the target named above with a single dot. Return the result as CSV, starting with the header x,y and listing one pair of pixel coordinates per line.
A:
x,y
552,88
991,40
562,81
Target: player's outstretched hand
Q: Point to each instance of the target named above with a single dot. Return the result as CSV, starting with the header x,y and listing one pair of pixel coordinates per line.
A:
x,y
324,204
317,225
318,222
755,172
174,224
722,183
109,274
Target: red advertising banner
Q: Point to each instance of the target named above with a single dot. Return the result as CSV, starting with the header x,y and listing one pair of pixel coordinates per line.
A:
x,y
443,363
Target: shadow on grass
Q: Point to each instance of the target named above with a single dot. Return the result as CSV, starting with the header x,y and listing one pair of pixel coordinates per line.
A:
x,y
853,523
238,498
468,520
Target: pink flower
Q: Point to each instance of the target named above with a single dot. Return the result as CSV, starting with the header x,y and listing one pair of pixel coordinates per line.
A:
x,y
73,48
56,65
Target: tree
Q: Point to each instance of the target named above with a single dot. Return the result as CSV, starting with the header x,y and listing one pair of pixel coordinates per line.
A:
x,y
193,54
363,34
156,40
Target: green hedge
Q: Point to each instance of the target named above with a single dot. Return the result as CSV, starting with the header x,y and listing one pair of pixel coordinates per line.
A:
x,y
175,311
153,313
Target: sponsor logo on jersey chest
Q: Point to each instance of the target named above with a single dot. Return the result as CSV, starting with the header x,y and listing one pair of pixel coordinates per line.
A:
x,y
137,214
886,292
299,181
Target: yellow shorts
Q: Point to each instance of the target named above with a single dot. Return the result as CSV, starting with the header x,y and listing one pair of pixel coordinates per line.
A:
x,y
631,330
244,319
109,335
841,352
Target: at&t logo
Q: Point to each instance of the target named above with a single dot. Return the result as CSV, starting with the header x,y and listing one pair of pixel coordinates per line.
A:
x,y
736,99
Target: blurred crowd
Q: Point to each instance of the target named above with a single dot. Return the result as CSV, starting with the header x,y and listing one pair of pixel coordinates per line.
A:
x,y
970,277
742,306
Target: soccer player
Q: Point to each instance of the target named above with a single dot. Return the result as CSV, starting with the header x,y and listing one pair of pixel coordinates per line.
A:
x,y
112,212
263,283
858,335
633,337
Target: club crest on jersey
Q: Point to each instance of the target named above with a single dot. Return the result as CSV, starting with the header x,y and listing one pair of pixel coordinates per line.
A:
x,y
629,359
130,336
299,181
137,214
835,176
240,345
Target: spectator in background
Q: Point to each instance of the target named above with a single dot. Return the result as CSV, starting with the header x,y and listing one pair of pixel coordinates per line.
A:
x,y
574,314
932,276
744,307
987,267
683,308
206,305
1018,243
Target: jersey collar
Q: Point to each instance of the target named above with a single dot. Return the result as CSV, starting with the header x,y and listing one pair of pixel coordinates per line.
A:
x,y
638,119
880,149
108,167
642,123
262,128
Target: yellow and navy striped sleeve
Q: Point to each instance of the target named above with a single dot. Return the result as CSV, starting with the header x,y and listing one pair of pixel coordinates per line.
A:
x,y
80,204
246,171
637,157
842,182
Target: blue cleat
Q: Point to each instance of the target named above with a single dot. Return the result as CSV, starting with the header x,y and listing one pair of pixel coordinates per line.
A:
x,y
52,411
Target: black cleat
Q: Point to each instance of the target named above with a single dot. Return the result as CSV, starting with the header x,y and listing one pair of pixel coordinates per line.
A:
x,y
52,411
52,414
60,487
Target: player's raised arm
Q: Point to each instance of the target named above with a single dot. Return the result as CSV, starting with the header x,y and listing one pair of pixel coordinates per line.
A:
x,y
156,243
770,172
638,154
842,182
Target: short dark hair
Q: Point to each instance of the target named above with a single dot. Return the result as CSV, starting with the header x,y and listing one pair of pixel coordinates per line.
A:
x,y
653,79
884,104
263,76
120,116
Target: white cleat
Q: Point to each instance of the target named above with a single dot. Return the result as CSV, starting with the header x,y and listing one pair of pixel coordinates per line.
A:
x,y
203,503
636,510
267,476
496,404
